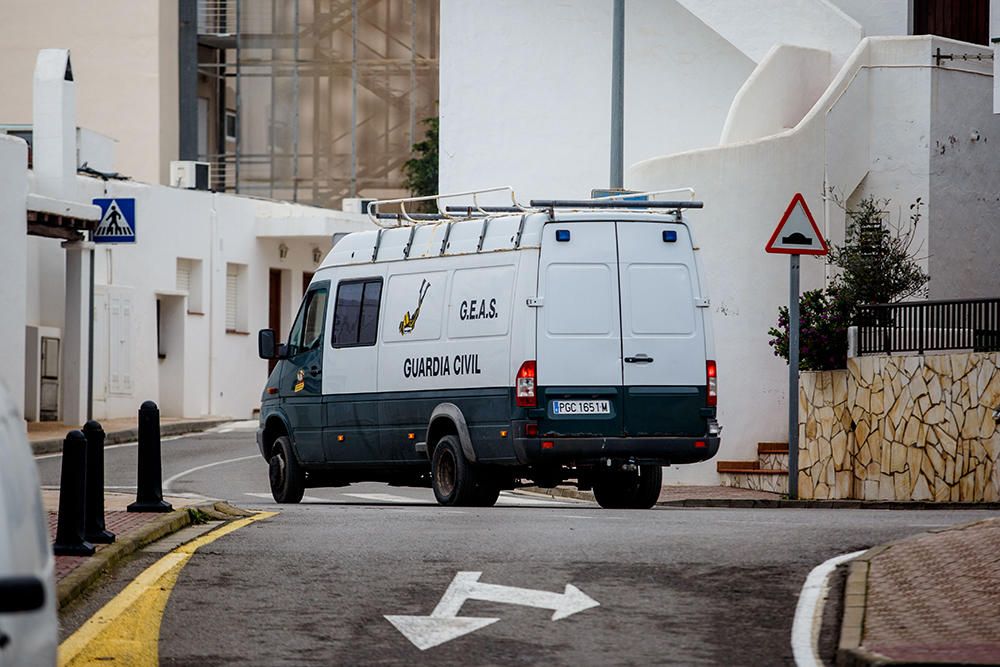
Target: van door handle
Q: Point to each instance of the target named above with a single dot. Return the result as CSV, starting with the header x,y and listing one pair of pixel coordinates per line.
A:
x,y
314,371
641,359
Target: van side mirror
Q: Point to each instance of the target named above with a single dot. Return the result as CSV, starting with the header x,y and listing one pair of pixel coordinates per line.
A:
x,y
21,594
267,346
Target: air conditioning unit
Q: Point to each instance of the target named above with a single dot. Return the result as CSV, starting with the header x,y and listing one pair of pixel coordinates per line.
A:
x,y
189,174
355,205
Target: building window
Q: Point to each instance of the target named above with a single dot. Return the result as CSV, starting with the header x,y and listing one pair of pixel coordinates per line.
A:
x,y
230,125
237,320
189,279
355,315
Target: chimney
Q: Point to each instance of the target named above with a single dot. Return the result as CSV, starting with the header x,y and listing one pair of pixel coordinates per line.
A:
x,y
54,121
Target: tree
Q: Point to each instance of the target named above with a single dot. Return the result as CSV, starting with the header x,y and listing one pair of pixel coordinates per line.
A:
x,y
421,171
877,264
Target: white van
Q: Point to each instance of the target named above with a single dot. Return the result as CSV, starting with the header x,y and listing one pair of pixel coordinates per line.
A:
x,y
29,629
564,341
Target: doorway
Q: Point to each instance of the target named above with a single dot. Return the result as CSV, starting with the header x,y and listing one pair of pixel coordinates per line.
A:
x,y
274,310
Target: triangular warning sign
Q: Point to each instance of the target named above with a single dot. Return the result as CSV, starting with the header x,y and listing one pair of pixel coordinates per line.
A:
x,y
114,223
797,233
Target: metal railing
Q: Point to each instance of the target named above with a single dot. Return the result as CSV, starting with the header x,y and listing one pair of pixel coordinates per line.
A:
x,y
922,326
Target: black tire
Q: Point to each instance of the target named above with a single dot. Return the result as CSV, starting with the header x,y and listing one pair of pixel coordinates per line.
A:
x,y
452,478
487,492
283,471
614,490
629,490
648,488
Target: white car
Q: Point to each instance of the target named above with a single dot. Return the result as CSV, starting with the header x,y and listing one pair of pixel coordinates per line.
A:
x,y
29,631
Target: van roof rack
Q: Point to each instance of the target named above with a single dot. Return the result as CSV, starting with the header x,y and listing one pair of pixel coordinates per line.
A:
x,y
623,200
605,203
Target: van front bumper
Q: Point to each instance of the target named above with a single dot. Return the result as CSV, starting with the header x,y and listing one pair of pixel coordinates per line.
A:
x,y
669,450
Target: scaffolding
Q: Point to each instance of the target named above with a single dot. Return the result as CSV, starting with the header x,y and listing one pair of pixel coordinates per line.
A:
x,y
313,101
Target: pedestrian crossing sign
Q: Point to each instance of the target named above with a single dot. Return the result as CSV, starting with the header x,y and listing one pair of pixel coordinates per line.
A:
x,y
117,221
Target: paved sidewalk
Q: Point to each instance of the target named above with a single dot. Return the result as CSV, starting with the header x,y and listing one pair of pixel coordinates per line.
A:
x,y
47,437
133,531
932,598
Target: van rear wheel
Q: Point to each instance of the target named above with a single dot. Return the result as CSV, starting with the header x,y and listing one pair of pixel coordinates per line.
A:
x,y
629,490
283,471
452,477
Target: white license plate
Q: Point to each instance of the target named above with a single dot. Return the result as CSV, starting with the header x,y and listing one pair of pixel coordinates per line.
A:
x,y
581,407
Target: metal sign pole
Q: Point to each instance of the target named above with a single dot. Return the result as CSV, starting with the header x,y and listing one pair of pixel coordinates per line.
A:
x,y
793,379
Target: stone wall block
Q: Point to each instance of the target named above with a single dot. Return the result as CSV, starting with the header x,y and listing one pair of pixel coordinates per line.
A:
x,y
878,403
897,457
900,486
971,421
867,368
935,415
987,425
959,366
949,445
839,445
936,460
942,491
839,382
921,490
917,386
911,365
934,390
926,466
967,487
914,457
886,486
911,432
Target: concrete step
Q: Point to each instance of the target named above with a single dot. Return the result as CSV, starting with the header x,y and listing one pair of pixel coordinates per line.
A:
x,y
768,473
772,455
755,479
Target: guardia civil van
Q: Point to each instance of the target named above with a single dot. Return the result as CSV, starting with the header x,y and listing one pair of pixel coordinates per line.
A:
x,y
481,348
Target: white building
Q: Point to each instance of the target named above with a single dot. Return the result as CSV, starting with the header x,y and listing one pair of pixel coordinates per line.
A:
x,y
175,313
747,103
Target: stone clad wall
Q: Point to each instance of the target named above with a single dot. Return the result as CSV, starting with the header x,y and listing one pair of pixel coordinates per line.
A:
x,y
902,428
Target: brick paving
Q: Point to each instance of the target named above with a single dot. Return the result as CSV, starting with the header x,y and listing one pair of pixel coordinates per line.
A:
x,y
936,597
119,523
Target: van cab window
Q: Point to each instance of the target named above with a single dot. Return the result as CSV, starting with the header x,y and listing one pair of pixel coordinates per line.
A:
x,y
307,332
355,314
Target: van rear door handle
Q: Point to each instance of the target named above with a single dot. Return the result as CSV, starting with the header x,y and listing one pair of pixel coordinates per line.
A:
x,y
641,359
314,371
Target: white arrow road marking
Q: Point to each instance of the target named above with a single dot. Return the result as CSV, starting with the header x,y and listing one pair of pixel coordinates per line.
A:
x,y
444,623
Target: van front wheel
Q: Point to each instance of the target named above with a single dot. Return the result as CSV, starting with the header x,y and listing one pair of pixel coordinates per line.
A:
x,y
284,473
452,477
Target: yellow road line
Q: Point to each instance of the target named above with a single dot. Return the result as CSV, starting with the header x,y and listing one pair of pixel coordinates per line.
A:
x,y
127,629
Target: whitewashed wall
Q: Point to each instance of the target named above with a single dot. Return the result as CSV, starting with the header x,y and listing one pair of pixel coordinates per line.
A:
x,y
525,91
13,265
207,371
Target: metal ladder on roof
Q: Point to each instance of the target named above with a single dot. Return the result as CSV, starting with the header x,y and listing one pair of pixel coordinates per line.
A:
x,y
452,214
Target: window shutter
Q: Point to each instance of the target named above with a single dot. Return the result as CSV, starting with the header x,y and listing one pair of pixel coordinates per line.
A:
x,y
232,294
184,275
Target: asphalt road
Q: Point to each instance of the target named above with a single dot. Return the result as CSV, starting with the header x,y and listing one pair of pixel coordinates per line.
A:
x,y
315,584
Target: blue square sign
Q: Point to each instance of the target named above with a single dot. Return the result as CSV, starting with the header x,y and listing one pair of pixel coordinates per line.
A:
x,y
117,221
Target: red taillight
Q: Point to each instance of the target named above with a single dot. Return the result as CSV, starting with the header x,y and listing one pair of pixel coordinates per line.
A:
x,y
712,383
531,429
524,384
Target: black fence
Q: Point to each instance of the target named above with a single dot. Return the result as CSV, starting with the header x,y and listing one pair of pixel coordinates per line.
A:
x,y
921,326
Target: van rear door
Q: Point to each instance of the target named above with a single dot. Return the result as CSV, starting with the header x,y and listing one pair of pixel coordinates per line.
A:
x,y
579,366
663,337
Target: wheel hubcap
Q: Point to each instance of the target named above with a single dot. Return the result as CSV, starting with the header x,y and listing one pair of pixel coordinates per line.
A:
x,y
445,474
276,471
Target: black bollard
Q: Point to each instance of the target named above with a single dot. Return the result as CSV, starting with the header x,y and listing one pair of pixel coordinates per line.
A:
x,y
149,494
72,499
94,528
